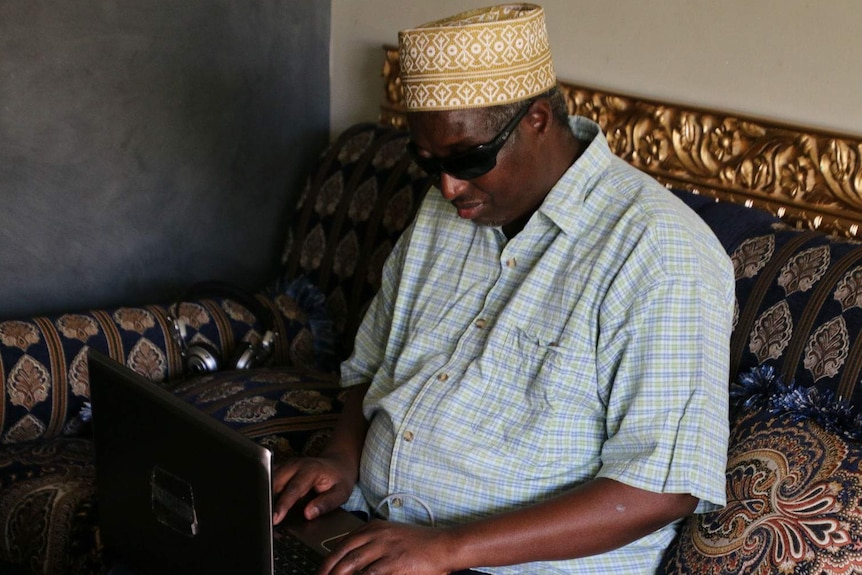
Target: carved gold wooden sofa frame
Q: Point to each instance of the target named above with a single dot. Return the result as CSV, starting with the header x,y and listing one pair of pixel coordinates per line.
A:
x,y
809,178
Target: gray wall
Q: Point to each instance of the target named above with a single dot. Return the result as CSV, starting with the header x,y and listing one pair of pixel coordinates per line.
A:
x,y
148,144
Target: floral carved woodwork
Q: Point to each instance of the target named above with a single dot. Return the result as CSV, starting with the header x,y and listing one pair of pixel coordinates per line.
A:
x,y
811,179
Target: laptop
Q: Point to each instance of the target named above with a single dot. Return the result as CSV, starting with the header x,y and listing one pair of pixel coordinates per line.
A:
x,y
180,492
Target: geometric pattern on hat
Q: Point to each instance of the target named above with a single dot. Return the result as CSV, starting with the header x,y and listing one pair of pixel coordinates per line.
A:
x,y
485,57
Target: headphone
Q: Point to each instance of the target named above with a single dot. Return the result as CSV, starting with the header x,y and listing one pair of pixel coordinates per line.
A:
x,y
202,357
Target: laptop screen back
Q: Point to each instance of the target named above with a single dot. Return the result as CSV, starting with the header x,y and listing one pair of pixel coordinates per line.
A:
x,y
177,491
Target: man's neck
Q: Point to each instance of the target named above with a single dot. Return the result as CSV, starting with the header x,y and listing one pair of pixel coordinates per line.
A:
x,y
571,148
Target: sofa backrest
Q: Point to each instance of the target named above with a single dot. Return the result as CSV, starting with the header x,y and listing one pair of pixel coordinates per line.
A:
x,y
359,197
798,298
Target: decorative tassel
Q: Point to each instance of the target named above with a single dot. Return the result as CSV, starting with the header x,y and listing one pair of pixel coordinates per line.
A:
x,y
763,388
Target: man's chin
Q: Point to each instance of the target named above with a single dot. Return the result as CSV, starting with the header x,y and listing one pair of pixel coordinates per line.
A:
x,y
475,214
489,222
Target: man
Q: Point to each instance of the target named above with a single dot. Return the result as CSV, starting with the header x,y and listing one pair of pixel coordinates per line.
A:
x,y
541,384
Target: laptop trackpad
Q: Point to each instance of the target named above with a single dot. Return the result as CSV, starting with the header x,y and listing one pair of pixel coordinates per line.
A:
x,y
324,533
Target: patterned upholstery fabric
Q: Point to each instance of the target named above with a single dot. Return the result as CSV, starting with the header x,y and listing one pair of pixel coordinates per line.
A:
x,y
46,508
800,302
46,462
799,299
358,201
793,485
289,411
43,360
793,493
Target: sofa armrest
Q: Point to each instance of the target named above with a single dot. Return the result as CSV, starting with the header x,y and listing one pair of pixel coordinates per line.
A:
x,y
43,359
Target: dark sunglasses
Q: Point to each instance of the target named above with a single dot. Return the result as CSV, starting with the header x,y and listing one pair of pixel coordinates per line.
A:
x,y
472,163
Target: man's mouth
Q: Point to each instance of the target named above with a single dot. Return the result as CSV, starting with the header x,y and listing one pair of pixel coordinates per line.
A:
x,y
468,210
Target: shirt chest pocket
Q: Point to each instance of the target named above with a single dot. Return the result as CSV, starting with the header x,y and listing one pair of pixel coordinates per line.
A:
x,y
539,405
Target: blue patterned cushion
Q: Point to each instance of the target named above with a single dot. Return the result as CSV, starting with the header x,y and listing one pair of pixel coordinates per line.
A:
x,y
799,298
360,197
289,410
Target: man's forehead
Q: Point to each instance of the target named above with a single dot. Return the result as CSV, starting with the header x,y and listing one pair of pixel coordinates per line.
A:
x,y
448,128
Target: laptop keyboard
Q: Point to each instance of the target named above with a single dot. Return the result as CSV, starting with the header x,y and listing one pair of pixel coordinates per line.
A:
x,y
292,556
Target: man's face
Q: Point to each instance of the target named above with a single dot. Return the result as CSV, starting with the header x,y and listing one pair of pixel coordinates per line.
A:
x,y
506,195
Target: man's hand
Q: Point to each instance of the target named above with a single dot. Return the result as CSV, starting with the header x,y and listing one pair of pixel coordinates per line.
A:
x,y
327,480
384,547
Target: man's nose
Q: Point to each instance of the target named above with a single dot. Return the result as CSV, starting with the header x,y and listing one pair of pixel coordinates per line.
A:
x,y
451,187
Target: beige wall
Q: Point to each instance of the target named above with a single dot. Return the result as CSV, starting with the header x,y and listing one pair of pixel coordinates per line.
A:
x,y
798,61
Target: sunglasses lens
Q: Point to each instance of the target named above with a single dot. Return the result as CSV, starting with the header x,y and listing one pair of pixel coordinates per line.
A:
x,y
471,164
467,166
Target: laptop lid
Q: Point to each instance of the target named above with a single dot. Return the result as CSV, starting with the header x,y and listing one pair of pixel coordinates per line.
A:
x,y
177,490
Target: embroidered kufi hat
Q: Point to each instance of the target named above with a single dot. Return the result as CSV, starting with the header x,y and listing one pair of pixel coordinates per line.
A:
x,y
479,58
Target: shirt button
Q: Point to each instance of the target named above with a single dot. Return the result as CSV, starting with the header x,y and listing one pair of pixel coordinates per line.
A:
x,y
396,502
443,377
481,323
511,262
408,436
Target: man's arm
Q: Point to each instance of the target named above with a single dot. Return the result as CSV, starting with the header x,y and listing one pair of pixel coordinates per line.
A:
x,y
330,477
596,517
599,516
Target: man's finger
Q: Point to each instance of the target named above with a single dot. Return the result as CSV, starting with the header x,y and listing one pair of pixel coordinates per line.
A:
x,y
289,490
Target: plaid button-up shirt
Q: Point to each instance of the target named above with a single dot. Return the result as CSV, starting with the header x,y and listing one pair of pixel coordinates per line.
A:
x,y
592,344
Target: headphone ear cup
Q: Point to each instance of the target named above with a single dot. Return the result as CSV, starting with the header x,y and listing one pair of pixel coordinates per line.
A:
x,y
202,358
245,356
248,355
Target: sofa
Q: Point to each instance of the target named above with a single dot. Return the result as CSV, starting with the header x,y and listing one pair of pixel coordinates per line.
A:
x,y
359,197
794,484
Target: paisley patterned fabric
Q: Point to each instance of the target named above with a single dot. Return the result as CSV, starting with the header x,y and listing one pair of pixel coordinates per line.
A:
x,y
47,512
793,504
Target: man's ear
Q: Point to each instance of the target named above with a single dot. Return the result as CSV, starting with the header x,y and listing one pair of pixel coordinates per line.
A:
x,y
540,116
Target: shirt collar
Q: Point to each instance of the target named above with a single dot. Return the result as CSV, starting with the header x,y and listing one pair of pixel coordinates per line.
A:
x,y
563,203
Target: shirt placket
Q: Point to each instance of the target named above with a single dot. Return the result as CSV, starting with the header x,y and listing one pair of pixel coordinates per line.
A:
x,y
404,469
